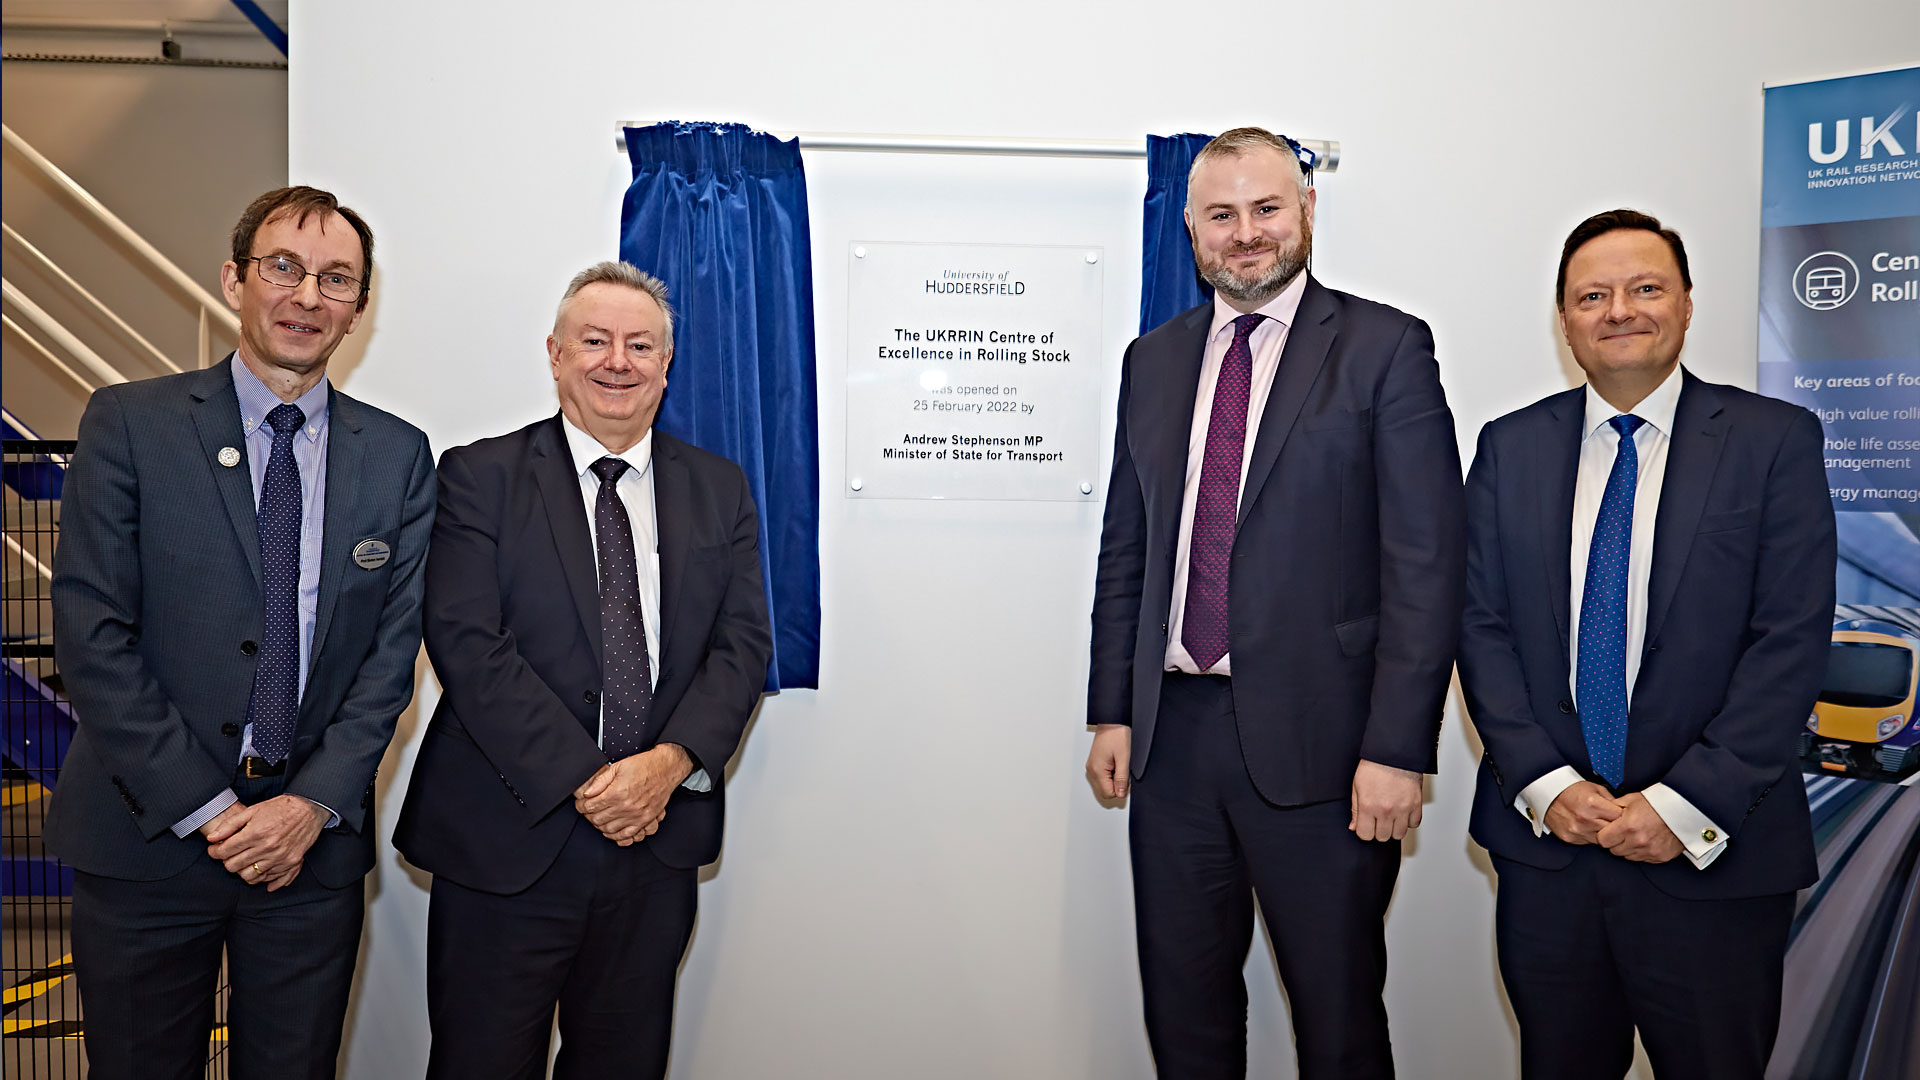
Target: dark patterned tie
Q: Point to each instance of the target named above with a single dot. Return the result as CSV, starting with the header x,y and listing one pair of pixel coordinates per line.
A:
x,y
628,693
1203,626
1602,682
274,709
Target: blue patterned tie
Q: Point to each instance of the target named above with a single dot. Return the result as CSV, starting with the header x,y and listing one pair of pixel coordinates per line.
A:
x,y
1602,689
275,706
625,669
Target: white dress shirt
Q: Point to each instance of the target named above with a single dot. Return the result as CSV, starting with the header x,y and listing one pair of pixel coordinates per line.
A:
x,y
1599,445
635,488
1268,340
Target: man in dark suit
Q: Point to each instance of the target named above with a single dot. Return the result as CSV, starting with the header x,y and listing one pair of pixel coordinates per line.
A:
x,y
1650,600
596,616
1274,620
236,603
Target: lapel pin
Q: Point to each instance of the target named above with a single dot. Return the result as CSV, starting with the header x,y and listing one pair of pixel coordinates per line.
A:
x,y
371,554
229,456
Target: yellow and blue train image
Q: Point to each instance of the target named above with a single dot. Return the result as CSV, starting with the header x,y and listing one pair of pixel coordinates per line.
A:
x,y
1864,723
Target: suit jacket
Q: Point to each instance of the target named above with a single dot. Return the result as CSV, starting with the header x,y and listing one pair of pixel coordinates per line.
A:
x,y
513,629
1739,618
157,615
1347,557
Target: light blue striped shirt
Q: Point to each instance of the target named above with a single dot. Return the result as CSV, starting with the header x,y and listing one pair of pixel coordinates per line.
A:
x,y
310,458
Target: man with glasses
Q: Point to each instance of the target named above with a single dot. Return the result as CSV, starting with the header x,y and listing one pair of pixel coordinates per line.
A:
x,y
236,602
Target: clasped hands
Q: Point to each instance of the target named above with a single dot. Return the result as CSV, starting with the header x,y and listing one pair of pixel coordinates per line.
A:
x,y
1586,813
627,799
266,843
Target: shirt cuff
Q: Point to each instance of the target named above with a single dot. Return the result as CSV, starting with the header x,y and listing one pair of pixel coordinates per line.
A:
x,y
1537,797
332,818
698,781
1702,839
190,824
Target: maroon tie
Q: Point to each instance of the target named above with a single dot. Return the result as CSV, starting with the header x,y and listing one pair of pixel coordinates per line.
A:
x,y
1203,627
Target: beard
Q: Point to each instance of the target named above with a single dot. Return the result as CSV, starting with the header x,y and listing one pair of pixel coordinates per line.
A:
x,y
1287,262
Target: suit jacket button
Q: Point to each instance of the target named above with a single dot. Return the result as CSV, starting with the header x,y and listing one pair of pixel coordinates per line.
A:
x,y
229,730
591,697
1566,707
249,648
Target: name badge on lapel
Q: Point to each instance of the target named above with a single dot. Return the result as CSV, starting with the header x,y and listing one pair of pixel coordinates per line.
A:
x,y
371,554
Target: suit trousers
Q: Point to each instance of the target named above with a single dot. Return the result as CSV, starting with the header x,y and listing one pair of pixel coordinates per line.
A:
x,y
600,934
1590,952
1205,848
147,956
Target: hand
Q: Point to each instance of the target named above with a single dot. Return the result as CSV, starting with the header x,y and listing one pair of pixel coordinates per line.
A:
x,y
1108,761
627,800
266,842
1386,802
1639,834
1578,813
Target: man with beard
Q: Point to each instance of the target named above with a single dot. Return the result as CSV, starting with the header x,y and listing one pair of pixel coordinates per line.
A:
x,y
1280,578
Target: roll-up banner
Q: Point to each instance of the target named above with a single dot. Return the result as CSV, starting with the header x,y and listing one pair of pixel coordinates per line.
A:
x,y
1840,334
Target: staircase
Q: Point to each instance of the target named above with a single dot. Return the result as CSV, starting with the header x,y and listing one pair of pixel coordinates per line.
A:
x,y
68,334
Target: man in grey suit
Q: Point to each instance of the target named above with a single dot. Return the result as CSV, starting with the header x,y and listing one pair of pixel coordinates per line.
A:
x,y
236,602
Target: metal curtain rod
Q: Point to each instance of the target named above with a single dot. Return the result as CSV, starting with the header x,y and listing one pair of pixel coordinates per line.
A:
x,y
1328,150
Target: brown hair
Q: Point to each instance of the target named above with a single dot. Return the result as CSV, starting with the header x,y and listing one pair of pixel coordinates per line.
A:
x,y
1611,221
299,203
1239,141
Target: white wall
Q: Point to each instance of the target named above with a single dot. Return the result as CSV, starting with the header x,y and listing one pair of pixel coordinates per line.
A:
x,y
917,880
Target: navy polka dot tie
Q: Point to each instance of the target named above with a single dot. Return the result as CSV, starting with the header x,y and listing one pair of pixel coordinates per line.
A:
x,y
1203,624
1602,689
274,709
628,694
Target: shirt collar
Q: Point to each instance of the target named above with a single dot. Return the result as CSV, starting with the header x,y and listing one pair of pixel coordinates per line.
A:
x,y
1656,408
256,401
1280,309
586,450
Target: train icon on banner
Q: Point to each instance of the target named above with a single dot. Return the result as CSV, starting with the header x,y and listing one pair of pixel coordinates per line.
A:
x,y
1825,280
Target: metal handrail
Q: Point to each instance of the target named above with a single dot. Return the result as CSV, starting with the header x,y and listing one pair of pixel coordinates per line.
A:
x,y
51,267
50,326
210,308
47,354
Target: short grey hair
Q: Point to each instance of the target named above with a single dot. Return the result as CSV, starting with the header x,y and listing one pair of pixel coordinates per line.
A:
x,y
614,272
1239,141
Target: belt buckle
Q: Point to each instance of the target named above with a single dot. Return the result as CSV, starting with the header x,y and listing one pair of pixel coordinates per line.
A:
x,y
257,768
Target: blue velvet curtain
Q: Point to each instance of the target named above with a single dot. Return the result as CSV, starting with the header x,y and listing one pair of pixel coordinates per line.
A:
x,y
719,212
1169,283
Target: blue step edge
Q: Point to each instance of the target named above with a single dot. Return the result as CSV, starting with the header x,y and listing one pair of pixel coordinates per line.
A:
x,y
38,726
35,875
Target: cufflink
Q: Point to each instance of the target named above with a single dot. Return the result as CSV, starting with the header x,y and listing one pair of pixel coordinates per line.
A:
x,y
1709,835
1529,813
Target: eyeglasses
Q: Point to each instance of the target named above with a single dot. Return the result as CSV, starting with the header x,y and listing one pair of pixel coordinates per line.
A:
x,y
284,272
